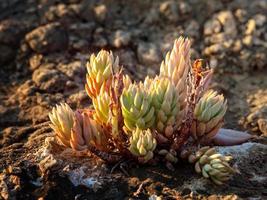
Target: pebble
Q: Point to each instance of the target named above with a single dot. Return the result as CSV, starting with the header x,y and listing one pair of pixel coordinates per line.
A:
x,y
49,79
170,10
262,123
148,53
100,12
121,38
48,38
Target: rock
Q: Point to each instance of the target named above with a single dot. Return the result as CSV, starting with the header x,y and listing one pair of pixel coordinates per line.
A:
x,y
250,27
27,88
262,123
222,40
48,38
260,19
241,15
49,79
83,30
148,53
222,21
226,18
248,40
100,12
258,111
120,38
73,69
35,61
80,99
78,44
192,29
127,58
216,48
60,11
169,10
241,153
152,17
184,8
212,26
99,40
11,32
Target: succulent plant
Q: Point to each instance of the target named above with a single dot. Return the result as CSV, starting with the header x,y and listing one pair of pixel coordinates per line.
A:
x,y
76,130
62,118
166,103
100,70
212,165
126,81
208,114
159,114
137,109
176,66
101,105
142,144
92,133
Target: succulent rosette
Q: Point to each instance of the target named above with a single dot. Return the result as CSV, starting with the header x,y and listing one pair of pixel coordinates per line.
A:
x,y
99,72
62,118
142,144
166,103
101,105
208,114
176,67
212,165
76,130
137,109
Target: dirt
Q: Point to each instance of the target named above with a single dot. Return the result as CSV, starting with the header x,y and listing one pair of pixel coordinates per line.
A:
x,y
43,46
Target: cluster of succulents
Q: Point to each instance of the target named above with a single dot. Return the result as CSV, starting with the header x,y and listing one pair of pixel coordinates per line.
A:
x,y
150,120
212,164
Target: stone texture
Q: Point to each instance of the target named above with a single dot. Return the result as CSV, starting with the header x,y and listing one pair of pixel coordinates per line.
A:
x,y
48,38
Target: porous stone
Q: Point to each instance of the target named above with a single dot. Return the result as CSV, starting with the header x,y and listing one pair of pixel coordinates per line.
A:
x,y
120,38
100,12
170,10
148,53
262,123
48,38
49,79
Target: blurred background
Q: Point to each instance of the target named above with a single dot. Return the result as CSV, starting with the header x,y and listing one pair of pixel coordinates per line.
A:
x,y
44,43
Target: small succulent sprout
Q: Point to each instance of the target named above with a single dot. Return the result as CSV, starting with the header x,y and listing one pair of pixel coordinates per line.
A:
x,y
137,109
142,144
166,103
212,165
170,156
62,121
176,67
100,70
102,107
208,116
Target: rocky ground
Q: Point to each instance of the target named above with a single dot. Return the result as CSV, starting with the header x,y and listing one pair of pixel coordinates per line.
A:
x,y
43,46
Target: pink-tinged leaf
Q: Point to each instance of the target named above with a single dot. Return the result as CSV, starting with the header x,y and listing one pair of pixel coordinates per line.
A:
x,y
228,137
